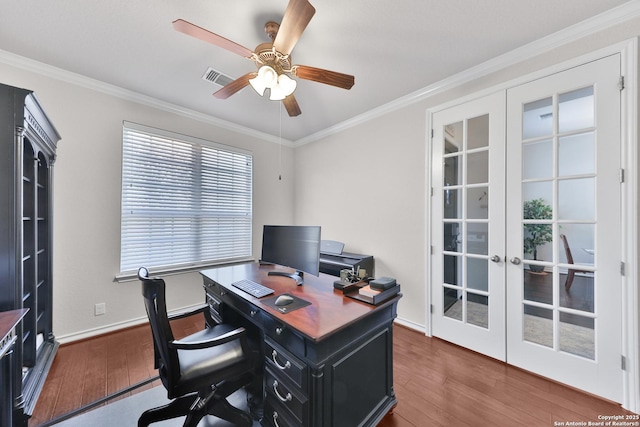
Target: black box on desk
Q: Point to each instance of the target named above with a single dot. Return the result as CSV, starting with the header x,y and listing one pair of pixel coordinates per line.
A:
x,y
382,283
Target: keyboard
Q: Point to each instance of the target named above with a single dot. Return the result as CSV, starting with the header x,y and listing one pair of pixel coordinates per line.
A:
x,y
253,288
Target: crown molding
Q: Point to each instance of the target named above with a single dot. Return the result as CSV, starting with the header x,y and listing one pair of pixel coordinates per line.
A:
x,y
88,83
610,18
615,16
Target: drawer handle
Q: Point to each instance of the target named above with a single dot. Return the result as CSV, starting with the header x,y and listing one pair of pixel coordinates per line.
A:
x,y
274,356
253,313
275,419
287,398
279,331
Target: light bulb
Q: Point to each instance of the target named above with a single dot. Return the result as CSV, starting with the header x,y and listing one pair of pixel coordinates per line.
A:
x,y
266,78
284,88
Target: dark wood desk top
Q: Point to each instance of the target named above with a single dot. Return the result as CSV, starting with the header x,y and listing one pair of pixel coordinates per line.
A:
x,y
329,311
9,320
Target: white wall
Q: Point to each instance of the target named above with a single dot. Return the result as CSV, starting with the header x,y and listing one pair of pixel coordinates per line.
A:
x,y
367,185
87,179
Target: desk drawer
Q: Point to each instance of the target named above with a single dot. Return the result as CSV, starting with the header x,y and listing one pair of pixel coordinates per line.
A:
x,y
212,287
286,364
283,335
215,307
275,416
289,397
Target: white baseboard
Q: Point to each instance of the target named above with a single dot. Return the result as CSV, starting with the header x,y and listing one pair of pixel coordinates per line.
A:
x,y
90,333
411,325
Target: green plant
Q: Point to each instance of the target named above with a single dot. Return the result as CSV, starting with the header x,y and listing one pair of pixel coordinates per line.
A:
x,y
536,234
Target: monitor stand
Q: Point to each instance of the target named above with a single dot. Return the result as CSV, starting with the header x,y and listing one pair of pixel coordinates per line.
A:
x,y
297,276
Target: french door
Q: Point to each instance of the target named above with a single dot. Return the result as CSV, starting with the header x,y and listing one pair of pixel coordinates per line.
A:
x,y
468,225
526,231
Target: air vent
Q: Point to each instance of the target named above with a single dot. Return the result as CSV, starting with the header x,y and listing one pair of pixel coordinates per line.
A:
x,y
215,76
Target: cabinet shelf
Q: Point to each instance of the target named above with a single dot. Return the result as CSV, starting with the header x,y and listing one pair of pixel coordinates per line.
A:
x,y
27,135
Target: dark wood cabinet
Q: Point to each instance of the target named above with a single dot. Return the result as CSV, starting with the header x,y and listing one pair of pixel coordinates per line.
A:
x,y
28,142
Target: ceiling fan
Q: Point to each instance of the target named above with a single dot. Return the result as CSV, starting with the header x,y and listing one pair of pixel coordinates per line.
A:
x,y
273,59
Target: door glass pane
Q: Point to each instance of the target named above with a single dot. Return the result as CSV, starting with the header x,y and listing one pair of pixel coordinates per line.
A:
x,y
538,325
452,242
575,110
576,154
538,286
537,119
477,274
578,245
478,310
451,172
452,304
478,238
478,203
537,160
478,167
538,190
452,268
478,132
453,137
581,293
577,335
576,199
450,206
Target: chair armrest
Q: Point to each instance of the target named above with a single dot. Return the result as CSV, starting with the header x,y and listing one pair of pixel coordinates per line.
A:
x,y
220,339
181,315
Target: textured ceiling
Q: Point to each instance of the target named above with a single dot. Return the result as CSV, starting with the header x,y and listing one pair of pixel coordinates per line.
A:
x,y
392,48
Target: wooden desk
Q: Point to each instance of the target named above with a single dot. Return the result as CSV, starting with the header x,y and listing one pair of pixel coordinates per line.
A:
x,y
327,364
10,378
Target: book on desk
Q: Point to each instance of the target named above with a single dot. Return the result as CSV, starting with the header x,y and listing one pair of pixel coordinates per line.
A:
x,y
373,292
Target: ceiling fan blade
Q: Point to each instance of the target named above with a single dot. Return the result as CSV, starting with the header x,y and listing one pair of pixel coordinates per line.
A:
x,y
295,20
291,105
233,87
209,37
344,81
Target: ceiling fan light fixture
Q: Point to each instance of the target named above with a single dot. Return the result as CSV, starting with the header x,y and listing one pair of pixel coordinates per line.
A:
x,y
258,85
267,78
268,75
284,88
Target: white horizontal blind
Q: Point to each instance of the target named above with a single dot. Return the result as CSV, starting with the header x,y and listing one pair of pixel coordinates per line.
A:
x,y
184,203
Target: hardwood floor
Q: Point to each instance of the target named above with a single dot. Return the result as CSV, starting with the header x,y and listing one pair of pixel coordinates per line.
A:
x,y
437,383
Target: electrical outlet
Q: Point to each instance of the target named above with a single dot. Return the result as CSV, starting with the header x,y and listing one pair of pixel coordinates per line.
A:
x,y
100,309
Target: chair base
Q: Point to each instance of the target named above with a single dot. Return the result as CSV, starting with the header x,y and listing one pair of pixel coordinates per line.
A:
x,y
196,406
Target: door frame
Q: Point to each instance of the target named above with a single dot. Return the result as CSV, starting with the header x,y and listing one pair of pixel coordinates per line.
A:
x,y
628,51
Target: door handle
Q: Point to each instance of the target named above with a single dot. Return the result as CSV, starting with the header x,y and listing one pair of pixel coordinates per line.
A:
x,y
515,260
495,258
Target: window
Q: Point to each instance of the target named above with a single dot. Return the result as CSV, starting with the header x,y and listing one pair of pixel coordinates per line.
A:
x,y
186,202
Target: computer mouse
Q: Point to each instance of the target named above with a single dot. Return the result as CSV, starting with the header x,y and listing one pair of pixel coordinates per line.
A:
x,y
284,300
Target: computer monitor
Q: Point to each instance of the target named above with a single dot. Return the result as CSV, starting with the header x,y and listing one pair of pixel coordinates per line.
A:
x,y
292,246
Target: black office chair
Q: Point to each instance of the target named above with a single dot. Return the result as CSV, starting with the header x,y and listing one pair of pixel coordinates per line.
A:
x,y
199,371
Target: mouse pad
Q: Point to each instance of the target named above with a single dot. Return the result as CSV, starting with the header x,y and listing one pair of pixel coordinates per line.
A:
x,y
296,304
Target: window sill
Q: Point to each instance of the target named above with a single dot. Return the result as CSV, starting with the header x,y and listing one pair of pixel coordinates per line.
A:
x,y
130,276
